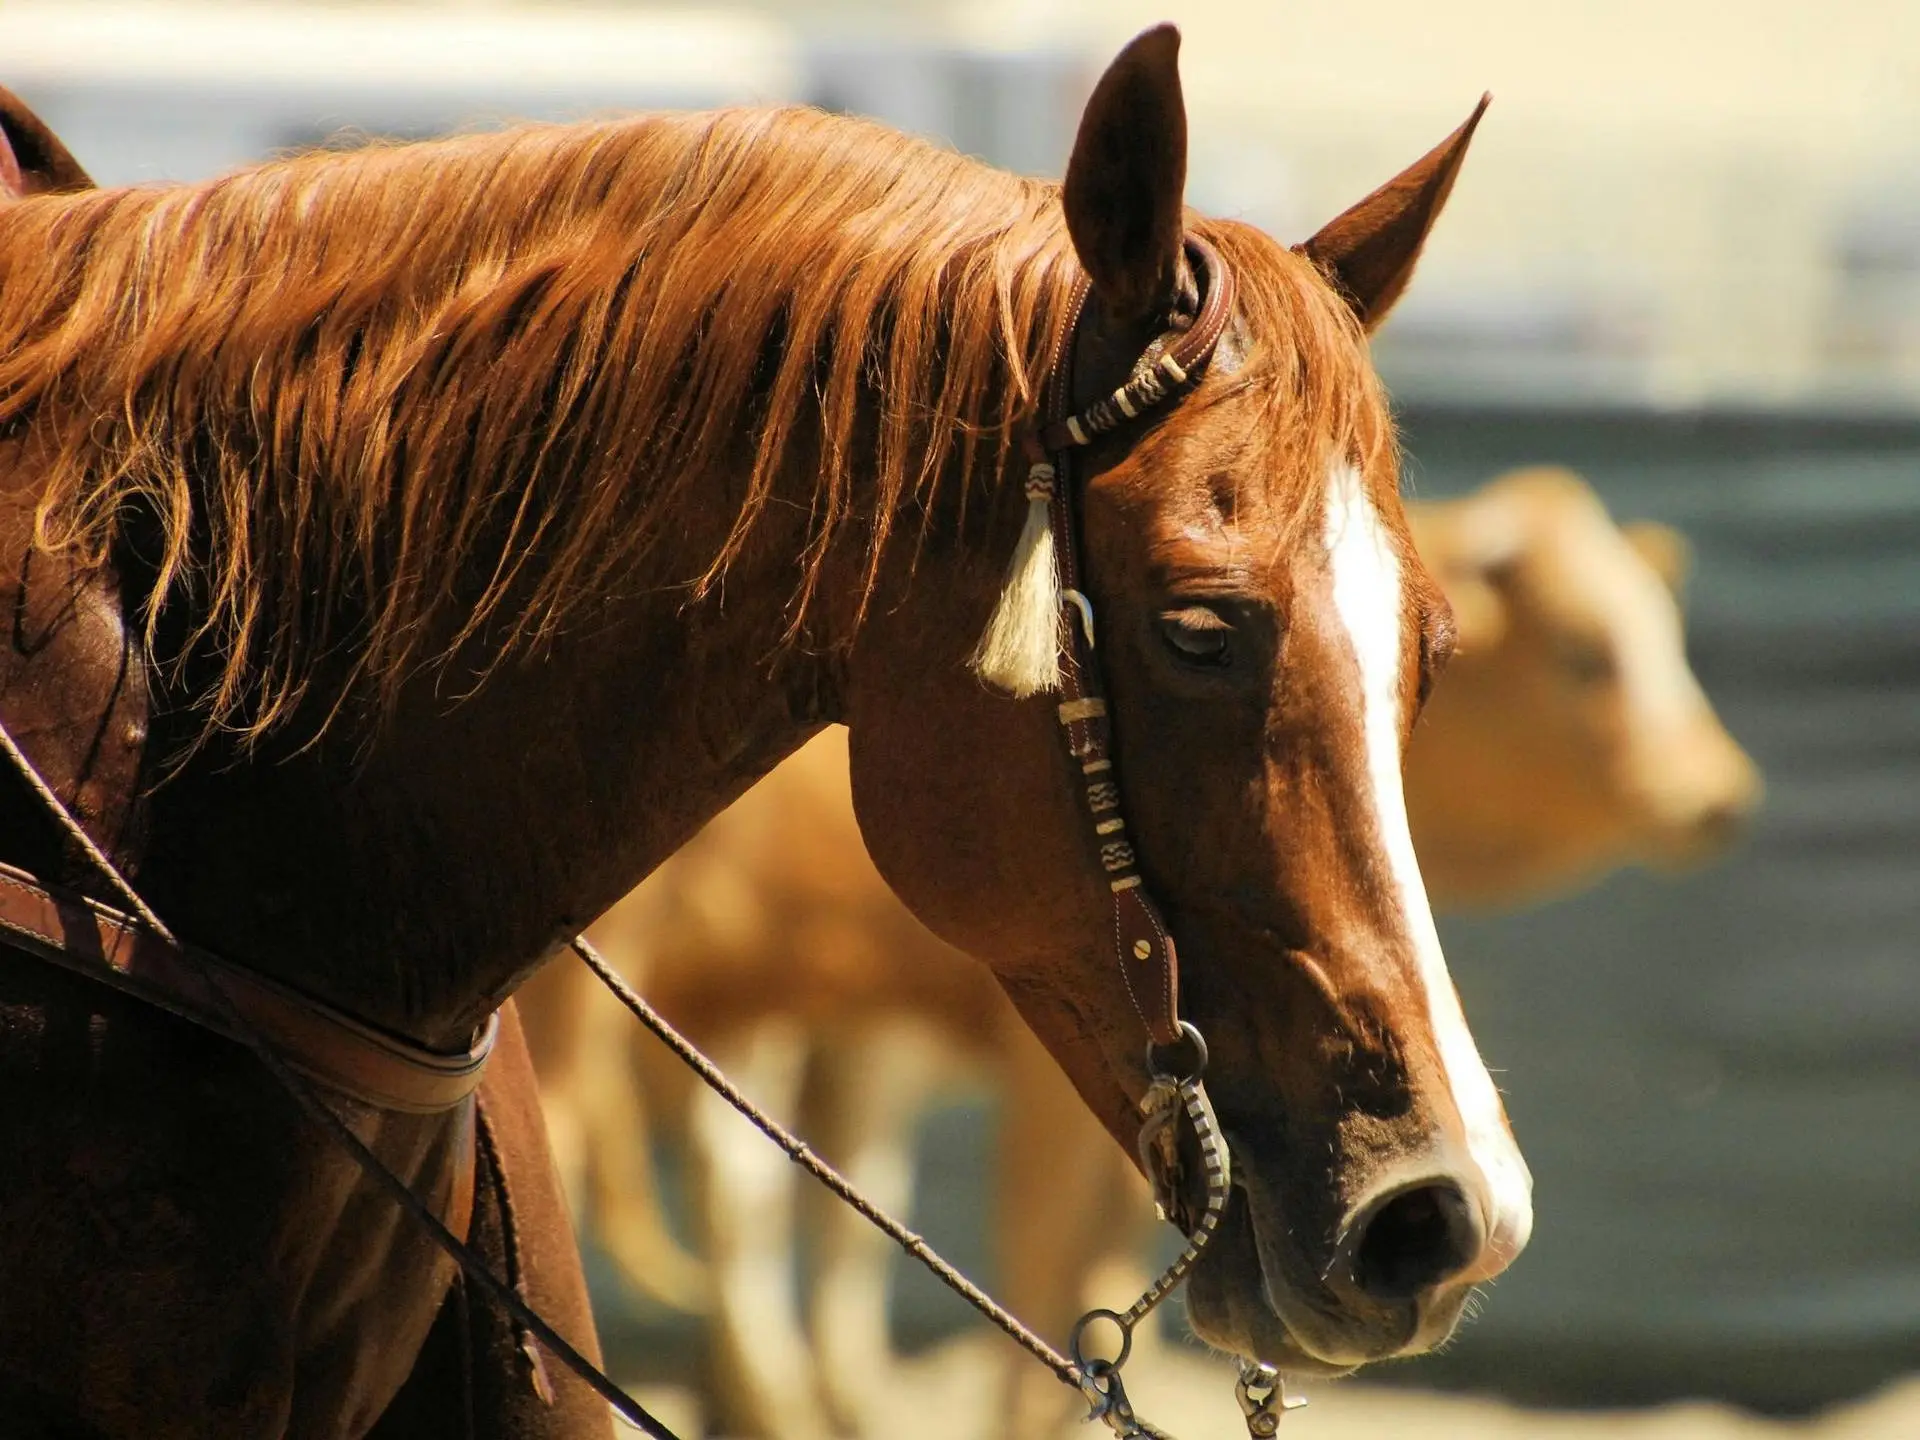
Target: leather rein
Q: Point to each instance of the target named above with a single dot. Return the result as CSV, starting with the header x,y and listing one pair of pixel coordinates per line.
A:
x,y
311,1047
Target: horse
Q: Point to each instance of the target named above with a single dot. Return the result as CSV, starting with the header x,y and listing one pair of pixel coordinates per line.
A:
x,y
770,939
475,1377
461,525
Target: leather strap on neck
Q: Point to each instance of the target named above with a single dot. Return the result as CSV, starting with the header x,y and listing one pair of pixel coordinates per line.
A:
x,y
339,1052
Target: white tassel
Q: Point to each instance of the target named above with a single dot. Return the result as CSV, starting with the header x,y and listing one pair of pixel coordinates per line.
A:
x,y
1020,650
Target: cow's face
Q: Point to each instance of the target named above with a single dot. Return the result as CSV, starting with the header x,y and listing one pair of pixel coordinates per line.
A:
x,y
1570,736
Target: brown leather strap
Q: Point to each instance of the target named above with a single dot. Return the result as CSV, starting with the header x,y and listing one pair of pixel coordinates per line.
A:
x,y
1149,964
1160,376
342,1053
230,1003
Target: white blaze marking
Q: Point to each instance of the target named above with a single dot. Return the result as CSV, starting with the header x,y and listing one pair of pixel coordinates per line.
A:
x,y
1367,596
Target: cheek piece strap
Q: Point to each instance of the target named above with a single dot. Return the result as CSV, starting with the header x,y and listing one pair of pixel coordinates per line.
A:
x,y
1144,950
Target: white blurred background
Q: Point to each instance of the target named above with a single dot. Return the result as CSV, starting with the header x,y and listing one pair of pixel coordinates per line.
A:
x,y
1675,201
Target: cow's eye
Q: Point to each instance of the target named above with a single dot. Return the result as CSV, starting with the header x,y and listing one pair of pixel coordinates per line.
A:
x,y
1587,662
1198,636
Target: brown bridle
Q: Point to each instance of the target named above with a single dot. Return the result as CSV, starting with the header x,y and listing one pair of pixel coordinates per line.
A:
x,y
306,1043
1144,950
1149,963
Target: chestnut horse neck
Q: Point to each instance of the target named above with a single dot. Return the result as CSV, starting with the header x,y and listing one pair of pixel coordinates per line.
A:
x,y
496,407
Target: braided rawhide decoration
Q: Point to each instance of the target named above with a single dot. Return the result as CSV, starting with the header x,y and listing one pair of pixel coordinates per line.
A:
x,y
1042,638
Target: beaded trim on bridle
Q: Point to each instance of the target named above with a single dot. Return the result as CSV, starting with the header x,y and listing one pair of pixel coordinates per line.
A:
x,y
1143,392
1045,574
1047,563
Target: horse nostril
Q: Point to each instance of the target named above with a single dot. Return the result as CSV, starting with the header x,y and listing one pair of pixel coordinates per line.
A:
x,y
1415,1241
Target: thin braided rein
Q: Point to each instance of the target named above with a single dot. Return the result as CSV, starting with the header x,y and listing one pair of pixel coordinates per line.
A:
x,y
1098,1381
803,1155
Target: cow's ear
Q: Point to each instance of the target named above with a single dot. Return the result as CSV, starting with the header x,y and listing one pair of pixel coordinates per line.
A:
x,y
1665,549
1479,611
1369,251
1470,546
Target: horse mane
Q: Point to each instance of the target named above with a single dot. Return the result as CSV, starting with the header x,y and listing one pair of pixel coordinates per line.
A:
x,y
320,394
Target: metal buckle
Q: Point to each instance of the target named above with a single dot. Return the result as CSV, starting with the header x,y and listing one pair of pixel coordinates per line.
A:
x,y
1107,1402
1263,1398
1100,1378
1084,608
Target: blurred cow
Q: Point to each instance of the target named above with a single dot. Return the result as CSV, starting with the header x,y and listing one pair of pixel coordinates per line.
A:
x,y
1568,738
1569,735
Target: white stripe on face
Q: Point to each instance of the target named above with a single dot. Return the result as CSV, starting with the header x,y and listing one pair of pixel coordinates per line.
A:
x,y
1367,597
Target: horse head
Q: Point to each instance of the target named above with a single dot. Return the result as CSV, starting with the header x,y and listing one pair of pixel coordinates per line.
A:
x,y
1267,635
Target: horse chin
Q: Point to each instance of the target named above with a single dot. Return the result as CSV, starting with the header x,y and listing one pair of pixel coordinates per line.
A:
x,y
1229,1304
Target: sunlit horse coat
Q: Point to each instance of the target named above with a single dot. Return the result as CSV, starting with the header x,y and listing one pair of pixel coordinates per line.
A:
x,y
486,514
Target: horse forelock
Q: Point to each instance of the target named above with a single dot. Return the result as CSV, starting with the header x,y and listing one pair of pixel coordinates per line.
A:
x,y
1304,354
497,371
1295,370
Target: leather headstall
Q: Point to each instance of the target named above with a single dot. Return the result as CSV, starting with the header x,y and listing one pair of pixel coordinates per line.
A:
x,y
1149,964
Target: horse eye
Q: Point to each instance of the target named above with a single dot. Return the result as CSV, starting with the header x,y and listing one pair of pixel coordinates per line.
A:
x,y
1198,636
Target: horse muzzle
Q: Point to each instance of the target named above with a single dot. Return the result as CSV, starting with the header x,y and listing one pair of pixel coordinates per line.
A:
x,y
1391,1280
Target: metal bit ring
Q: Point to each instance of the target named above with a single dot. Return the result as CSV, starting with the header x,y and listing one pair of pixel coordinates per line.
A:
x,y
1164,1062
1078,1333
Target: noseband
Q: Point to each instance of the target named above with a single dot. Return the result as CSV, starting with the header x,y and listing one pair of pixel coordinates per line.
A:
x,y
302,1041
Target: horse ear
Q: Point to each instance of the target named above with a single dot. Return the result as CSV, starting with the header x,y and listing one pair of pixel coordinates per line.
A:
x,y
32,159
1664,548
1128,175
1368,252
13,184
